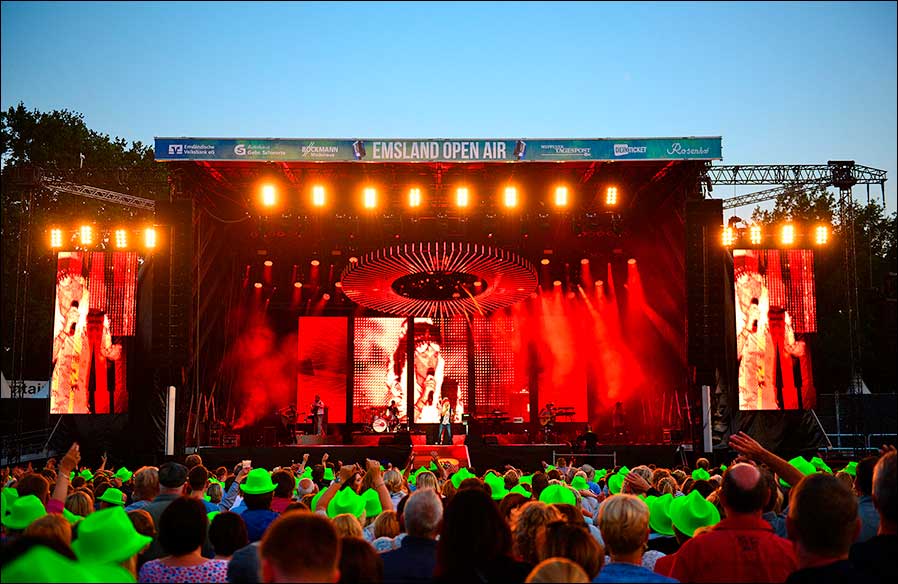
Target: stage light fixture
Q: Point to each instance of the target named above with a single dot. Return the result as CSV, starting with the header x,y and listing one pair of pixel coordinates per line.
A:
x,y
561,199
787,236
821,235
544,261
611,196
414,197
353,260
149,238
56,238
269,196
316,263
511,197
584,261
318,196
268,263
370,200
599,283
121,238
338,284
257,285
754,234
297,284
461,197
728,237
87,235
326,297
556,283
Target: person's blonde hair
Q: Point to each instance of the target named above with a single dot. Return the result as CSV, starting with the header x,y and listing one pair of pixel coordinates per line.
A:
x,y
386,524
525,528
52,526
447,490
80,503
393,480
557,570
347,525
427,480
667,484
146,483
624,524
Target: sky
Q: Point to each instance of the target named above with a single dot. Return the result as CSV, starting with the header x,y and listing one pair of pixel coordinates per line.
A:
x,y
780,82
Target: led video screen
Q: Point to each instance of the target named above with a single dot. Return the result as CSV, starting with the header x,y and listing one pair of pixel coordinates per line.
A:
x,y
95,312
376,375
776,310
322,370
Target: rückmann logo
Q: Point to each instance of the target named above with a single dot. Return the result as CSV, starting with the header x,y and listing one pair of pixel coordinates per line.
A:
x,y
624,149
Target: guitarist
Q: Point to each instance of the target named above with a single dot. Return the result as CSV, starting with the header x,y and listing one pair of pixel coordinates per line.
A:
x,y
547,420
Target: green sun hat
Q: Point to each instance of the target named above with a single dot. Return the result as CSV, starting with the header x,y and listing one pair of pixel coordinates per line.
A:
x,y
497,487
23,511
526,480
519,489
850,468
124,475
600,474
723,468
373,506
346,501
306,473
71,476
550,467
820,465
71,517
558,494
659,514
616,482
211,515
41,564
315,499
86,475
623,470
579,483
460,475
112,496
433,467
258,482
801,464
701,474
107,536
7,498
328,474
692,511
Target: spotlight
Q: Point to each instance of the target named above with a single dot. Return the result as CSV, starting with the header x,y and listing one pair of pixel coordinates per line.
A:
x,y
316,263
511,197
257,285
414,197
326,297
544,261
632,261
269,196
268,263
461,197
353,260
821,234
318,199
56,238
561,196
149,238
121,238
584,261
370,200
297,284
728,237
87,235
599,283
556,283
338,284
755,234
787,237
611,196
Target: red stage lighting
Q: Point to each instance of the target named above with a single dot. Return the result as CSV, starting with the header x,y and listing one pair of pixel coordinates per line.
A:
x,y
631,261
268,263
326,297
584,261
338,284
544,261
556,283
257,285
297,284
316,263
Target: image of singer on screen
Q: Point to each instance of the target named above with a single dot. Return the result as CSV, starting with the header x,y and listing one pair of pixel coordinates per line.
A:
x,y
429,369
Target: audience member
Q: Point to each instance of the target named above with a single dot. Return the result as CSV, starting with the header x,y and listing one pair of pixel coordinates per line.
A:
x,y
146,487
863,485
300,547
560,539
624,523
557,570
876,557
359,563
227,533
531,518
415,560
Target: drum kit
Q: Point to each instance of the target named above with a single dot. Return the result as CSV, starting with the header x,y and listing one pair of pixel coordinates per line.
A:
x,y
381,420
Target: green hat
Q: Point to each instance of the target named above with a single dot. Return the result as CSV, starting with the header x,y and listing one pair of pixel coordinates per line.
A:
x,y
850,468
124,475
723,468
462,474
211,515
258,482
624,471
692,511
71,517
306,473
113,496
820,465
107,536
550,467
86,475
701,474
207,498
526,480
659,514
346,501
615,482
519,489
801,464
328,474
601,473
373,506
71,475
7,498
433,466
497,486
315,499
23,511
41,564
558,494
413,478
579,483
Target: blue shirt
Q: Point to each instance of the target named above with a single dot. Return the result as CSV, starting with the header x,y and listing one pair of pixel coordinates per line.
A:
x,y
413,562
869,517
621,572
257,521
137,505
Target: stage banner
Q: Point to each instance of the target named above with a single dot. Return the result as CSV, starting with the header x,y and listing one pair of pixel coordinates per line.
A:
x,y
437,150
24,389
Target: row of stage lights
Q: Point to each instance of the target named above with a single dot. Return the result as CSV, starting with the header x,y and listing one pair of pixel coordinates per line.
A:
x,y
561,197
788,235
87,236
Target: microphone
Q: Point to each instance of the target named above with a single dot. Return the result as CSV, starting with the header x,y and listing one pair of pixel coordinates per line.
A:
x,y
74,324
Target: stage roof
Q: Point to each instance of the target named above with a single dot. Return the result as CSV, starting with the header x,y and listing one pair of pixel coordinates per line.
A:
x,y
449,150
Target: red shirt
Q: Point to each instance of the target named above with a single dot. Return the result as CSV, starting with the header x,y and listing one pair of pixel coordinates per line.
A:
x,y
664,564
279,504
738,549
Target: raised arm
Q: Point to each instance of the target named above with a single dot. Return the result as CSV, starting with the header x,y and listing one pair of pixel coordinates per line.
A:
x,y
751,448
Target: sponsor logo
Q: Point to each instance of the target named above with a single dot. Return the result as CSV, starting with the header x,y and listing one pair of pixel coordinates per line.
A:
x,y
677,149
561,150
313,150
240,150
176,149
624,149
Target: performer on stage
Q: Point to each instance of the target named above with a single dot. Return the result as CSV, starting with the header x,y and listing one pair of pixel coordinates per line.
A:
x,y
547,421
393,416
445,420
318,426
619,421
288,420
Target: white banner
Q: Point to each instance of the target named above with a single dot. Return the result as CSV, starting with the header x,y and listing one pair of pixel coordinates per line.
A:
x,y
24,389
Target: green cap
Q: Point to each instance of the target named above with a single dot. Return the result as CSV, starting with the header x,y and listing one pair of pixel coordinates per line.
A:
x,y
659,514
373,507
258,482
113,496
820,465
850,468
41,564
346,501
701,474
550,467
526,480
801,464
71,517
23,511
558,494
497,486
615,482
462,474
601,473
692,511
124,475
86,475
328,474
107,536
519,489
579,483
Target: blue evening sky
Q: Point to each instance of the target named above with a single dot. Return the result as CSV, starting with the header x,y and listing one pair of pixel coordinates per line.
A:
x,y
781,82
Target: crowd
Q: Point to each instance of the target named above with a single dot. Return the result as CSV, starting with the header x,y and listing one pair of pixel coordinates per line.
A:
x,y
761,519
